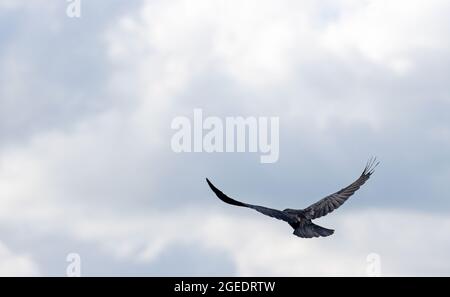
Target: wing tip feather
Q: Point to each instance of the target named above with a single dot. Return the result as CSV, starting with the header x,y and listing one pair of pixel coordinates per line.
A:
x,y
371,164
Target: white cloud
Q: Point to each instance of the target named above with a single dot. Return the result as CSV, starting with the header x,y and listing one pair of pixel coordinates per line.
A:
x,y
261,246
389,32
326,53
15,265
260,42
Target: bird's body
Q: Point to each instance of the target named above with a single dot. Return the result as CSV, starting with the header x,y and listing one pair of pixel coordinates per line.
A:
x,y
304,227
301,219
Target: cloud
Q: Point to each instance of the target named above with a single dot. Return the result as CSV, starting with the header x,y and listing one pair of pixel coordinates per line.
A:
x,y
404,31
16,265
261,247
257,246
85,157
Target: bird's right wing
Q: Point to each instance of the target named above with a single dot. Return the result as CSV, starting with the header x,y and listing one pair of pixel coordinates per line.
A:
x,y
274,213
333,201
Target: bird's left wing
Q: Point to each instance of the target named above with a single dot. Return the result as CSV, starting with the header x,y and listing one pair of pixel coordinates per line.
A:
x,y
274,213
333,201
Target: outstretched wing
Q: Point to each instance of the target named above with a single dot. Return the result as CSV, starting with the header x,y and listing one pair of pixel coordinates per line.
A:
x,y
334,201
274,213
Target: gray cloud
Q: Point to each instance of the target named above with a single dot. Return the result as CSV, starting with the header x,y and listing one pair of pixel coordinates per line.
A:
x,y
86,106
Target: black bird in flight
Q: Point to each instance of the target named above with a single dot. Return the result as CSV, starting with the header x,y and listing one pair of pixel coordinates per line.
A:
x,y
301,219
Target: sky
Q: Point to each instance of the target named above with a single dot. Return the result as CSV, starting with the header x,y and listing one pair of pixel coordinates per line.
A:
x,y
86,164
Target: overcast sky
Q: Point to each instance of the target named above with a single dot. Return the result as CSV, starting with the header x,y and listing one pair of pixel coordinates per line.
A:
x,y
86,106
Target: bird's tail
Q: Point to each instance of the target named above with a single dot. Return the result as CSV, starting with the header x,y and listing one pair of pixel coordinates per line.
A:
x,y
312,230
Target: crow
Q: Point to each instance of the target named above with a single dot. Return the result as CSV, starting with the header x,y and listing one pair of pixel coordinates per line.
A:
x,y
301,219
